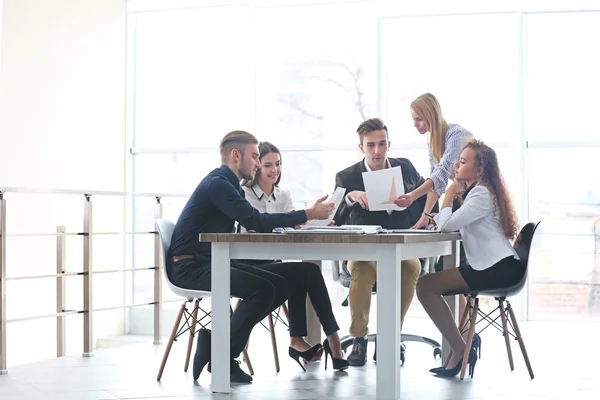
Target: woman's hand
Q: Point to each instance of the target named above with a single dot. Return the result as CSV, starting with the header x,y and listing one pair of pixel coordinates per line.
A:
x,y
456,189
422,223
405,200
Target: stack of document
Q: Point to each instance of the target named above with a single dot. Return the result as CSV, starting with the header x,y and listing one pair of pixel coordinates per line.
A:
x,y
368,229
320,230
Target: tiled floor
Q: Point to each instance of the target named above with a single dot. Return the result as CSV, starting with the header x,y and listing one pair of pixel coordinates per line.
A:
x,y
564,358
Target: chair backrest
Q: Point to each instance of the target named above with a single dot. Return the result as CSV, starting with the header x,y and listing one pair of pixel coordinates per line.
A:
x,y
523,242
165,230
523,246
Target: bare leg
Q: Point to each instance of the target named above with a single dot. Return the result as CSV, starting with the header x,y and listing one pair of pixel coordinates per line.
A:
x,y
429,291
335,344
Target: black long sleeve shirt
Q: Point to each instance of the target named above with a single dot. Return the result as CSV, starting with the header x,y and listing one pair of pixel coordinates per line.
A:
x,y
215,205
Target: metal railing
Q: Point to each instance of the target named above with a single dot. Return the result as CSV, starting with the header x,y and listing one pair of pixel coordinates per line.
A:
x,y
87,272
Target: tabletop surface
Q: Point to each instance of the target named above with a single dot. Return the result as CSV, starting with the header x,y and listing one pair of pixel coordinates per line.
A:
x,y
390,238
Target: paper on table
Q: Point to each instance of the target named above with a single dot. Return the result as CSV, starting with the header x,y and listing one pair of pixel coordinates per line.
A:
x,y
336,198
383,187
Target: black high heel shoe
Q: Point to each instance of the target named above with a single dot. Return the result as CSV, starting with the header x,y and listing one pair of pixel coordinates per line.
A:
x,y
338,363
447,373
308,355
476,344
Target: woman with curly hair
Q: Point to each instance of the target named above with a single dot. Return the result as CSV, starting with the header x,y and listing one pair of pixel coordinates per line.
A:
x,y
487,222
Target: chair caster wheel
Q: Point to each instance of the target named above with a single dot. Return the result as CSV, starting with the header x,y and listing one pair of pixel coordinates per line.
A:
x,y
437,352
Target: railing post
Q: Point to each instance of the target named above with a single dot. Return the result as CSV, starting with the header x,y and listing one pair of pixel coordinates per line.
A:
x,y
88,350
3,367
157,275
60,291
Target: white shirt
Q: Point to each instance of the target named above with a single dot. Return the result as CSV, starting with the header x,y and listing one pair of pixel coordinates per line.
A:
x,y
280,201
350,202
484,241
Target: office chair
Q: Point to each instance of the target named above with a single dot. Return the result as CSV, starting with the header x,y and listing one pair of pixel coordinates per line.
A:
x,y
523,246
165,232
342,275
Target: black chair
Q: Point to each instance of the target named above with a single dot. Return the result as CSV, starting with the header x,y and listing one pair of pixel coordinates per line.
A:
x,y
342,275
522,245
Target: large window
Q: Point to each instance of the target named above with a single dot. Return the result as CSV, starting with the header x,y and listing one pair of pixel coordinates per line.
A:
x,y
303,76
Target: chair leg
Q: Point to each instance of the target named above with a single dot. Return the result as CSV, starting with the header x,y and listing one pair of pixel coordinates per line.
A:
x,y
286,312
171,339
192,331
460,328
519,338
469,341
506,334
273,342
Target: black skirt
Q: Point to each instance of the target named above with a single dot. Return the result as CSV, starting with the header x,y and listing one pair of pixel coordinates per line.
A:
x,y
505,273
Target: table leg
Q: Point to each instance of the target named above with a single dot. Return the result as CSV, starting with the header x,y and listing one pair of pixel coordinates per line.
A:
x,y
451,261
312,322
388,322
221,343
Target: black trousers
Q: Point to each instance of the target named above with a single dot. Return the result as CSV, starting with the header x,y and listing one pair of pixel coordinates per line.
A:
x,y
263,288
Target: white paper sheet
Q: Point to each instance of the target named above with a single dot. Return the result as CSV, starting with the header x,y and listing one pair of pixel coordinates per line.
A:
x,y
336,197
383,187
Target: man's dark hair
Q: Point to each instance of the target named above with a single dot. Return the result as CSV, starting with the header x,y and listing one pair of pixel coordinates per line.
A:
x,y
370,125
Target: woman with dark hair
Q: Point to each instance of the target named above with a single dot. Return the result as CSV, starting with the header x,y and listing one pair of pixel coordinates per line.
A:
x,y
264,194
263,191
487,221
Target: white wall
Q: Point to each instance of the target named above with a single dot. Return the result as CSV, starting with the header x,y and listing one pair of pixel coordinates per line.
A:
x,y
62,125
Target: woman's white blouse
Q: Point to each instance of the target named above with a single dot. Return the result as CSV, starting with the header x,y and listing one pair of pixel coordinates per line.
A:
x,y
280,201
484,241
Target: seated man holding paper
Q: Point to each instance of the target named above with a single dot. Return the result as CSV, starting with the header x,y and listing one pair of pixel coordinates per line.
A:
x,y
400,176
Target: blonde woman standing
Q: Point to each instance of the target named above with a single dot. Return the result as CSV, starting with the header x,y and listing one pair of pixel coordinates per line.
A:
x,y
445,143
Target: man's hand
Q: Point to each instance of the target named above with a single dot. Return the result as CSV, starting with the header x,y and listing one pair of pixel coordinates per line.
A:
x,y
320,210
405,200
360,197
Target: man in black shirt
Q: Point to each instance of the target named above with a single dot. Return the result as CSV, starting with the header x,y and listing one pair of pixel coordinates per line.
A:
x,y
214,207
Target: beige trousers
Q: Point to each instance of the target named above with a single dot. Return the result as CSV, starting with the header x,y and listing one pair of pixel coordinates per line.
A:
x,y
363,275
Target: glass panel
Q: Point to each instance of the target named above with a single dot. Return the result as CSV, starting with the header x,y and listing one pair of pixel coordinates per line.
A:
x,y
565,262
562,76
314,85
193,76
474,76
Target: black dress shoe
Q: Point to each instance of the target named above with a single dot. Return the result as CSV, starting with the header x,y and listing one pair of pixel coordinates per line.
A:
x,y
358,356
236,374
202,355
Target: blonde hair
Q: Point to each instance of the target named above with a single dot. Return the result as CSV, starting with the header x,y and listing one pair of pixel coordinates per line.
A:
x,y
235,140
427,107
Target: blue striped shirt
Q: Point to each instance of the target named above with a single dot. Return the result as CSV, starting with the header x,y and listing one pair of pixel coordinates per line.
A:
x,y
440,173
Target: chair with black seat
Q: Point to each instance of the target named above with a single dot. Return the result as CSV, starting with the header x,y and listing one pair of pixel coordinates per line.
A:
x,y
342,275
469,321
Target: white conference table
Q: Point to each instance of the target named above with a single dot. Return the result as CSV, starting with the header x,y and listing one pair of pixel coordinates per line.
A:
x,y
387,249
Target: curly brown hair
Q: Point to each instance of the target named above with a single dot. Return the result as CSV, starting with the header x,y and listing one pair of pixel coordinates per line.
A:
x,y
486,162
